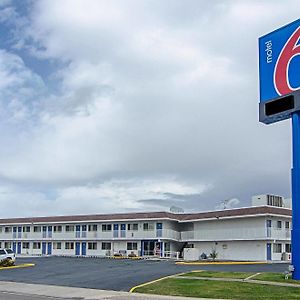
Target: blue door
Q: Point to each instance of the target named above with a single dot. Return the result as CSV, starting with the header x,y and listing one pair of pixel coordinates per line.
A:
x,y
50,231
123,230
44,246
77,231
19,232
159,227
14,247
269,251
83,248
19,248
77,248
14,232
116,230
44,231
49,252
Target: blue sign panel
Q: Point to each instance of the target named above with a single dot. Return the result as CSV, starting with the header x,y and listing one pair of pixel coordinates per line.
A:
x,y
279,62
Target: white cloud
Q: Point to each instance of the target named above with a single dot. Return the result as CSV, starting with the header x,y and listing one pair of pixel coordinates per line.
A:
x,y
141,90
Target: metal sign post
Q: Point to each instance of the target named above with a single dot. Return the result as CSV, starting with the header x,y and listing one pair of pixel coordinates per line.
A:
x,y
279,70
296,195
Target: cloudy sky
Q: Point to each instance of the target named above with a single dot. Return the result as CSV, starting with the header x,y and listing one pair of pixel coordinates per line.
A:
x,y
136,105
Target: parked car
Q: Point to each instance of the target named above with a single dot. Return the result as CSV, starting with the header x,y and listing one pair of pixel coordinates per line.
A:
x,y
7,254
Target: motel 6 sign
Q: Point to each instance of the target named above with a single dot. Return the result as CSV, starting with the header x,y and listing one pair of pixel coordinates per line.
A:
x,y
279,72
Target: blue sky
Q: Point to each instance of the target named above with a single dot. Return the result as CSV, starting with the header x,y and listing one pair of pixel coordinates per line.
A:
x,y
111,106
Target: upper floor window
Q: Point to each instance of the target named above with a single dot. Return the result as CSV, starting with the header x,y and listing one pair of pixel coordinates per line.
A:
x,y
148,226
288,248
134,226
26,229
287,225
37,229
69,228
93,227
279,224
7,229
57,228
106,227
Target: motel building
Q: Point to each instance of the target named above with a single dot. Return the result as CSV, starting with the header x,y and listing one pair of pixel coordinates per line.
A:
x,y
261,232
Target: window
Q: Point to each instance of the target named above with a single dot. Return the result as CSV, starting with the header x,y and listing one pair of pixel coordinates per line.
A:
x,y
279,224
26,228
287,225
131,246
93,227
36,245
7,229
69,228
7,245
25,245
0,229
288,248
92,246
133,227
57,228
148,226
57,245
2,252
277,248
69,246
37,229
106,227
106,246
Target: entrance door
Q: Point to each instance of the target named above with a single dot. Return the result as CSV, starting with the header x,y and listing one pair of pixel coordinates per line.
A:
x,y
148,248
83,248
49,252
269,251
19,247
77,248
44,245
14,247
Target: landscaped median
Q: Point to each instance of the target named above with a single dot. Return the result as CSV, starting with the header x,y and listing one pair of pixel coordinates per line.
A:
x,y
17,266
224,285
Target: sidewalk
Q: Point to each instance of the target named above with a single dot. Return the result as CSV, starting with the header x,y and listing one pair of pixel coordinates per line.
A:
x,y
82,293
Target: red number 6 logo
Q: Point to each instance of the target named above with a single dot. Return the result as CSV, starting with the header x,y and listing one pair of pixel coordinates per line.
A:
x,y
290,49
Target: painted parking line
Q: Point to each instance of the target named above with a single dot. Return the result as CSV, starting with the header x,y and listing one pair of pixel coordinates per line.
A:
x,y
153,281
17,266
221,263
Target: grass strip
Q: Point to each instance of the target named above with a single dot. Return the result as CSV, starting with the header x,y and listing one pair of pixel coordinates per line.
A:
x,y
275,277
213,274
219,290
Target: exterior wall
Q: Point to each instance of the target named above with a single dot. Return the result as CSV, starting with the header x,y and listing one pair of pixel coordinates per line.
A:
x,y
234,250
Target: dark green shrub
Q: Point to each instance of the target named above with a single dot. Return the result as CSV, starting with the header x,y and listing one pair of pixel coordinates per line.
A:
x,y
7,262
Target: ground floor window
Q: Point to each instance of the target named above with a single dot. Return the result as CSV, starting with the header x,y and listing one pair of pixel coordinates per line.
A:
x,y
288,248
57,245
92,246
69,246
131,246
277,248
106,246
36,245
25,245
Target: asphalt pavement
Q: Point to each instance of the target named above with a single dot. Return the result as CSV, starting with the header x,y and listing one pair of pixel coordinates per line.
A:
x,y
110,274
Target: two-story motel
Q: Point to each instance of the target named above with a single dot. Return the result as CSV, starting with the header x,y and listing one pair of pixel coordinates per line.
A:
x,y
251,233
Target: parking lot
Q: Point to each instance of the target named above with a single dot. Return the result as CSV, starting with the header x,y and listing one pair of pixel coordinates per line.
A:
x,y
110,274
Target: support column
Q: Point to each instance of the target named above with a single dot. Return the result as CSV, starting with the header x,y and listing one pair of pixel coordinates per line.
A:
x,y
296,195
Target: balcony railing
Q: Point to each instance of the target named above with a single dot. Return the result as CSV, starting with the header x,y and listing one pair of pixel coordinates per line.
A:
x,y
236,234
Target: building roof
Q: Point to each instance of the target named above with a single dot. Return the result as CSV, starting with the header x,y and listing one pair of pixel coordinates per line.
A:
x,y
182,217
